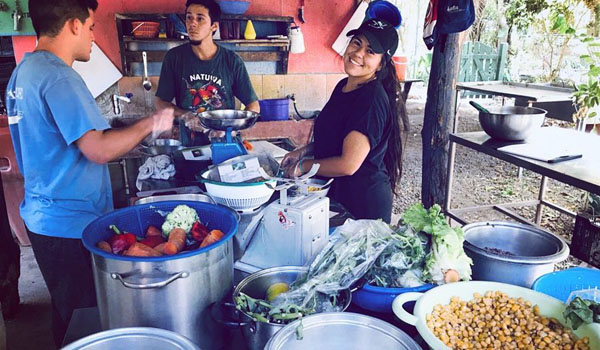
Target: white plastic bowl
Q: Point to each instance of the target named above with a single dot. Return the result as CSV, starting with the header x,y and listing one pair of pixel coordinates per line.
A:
x,y
549,307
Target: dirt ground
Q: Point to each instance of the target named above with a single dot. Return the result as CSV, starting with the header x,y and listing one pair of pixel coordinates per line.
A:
x,y
480,179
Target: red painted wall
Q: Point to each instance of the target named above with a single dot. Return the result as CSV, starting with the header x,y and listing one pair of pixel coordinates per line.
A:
x,y
324,21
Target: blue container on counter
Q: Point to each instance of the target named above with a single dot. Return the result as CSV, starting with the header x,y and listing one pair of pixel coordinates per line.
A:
x,y
379,299
560,284
274,109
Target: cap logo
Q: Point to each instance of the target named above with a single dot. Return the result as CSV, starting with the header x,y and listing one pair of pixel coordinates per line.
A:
x,y
377,25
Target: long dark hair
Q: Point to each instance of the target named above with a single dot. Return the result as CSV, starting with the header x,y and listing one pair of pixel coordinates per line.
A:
x,y
400,125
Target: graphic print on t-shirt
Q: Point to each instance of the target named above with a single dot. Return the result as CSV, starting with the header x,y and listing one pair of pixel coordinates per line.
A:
x,y
204,93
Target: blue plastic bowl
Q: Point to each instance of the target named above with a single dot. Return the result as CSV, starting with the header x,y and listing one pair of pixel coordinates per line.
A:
x,y
234,7
136,219
379,299
560,284
384,10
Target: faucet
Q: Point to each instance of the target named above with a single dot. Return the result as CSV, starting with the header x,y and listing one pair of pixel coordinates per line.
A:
x,y
117,105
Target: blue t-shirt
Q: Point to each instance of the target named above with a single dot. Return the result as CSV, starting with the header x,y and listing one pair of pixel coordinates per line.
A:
x,y
49,108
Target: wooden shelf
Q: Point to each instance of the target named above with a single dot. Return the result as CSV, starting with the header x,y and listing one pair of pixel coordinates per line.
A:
x,y
257,50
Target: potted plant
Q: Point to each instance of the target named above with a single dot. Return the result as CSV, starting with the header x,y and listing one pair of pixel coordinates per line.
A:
x,y
587,94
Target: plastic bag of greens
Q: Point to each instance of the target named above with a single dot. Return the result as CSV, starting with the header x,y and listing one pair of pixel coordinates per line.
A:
x,y
406,251
352,250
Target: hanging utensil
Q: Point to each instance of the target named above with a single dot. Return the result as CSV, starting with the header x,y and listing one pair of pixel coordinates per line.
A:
x,y
146,82
301,12
479,107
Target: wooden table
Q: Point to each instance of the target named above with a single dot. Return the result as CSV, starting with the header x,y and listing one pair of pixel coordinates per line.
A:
x,y
583,173
407,85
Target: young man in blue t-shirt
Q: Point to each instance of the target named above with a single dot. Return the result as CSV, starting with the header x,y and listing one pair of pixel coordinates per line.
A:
x,y
62,144
201,75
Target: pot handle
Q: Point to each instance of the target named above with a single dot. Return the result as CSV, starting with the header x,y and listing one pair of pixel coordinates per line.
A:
x,y
117,276
402,314
218,317
7,167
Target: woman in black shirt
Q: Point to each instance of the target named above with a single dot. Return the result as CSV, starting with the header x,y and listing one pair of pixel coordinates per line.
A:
x,y
357,134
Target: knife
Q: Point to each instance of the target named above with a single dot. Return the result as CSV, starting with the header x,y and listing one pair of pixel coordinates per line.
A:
x,y
565,158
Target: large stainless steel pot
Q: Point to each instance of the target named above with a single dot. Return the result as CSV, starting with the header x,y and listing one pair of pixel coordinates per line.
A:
x,y
512,123
257,333
341,331
133,338
512,253
170,292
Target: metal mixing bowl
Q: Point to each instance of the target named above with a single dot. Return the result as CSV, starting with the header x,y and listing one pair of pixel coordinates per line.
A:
x,y
512,253
161,146
228,118
511,123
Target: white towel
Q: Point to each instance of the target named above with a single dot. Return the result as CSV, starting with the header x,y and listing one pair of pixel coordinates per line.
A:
x,y
159,167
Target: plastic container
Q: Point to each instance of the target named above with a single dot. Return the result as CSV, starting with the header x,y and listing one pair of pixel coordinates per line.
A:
x,y
380,299
234,7
384,10
400,63
548,306
274,109
560,284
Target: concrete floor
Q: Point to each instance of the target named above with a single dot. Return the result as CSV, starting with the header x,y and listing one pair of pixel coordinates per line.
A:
x,y
30,329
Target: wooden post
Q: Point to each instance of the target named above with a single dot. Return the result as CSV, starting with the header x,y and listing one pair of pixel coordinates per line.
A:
x,y
437,123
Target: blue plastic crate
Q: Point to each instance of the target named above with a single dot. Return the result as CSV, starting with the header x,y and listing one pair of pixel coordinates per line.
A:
x,y
137,218
561,283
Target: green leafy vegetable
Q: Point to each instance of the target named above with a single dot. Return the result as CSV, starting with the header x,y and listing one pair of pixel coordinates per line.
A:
x,y
446,257
407,251
580,311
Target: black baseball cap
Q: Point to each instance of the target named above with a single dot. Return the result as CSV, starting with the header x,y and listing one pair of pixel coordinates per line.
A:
x,y
381,35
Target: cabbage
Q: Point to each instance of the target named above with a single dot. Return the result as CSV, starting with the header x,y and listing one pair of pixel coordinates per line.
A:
x,y
182,217
447,244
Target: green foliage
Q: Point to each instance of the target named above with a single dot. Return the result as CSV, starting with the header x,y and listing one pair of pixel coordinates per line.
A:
x,y
424,67
521,13
587,95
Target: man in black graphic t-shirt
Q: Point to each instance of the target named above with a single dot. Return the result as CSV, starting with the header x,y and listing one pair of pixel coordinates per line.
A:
x,y
202,75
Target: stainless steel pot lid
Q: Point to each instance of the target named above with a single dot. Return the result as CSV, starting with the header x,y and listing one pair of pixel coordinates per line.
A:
x,y
133,338
341,331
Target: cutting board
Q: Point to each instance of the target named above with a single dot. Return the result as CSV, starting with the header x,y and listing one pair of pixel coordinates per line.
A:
x,y
99,73
542,151
355,21
267,147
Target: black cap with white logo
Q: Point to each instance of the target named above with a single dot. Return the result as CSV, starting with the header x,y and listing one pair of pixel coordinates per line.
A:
x,y
381,35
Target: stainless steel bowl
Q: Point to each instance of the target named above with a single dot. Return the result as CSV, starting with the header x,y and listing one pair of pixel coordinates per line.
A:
x,y
312,189
511,123
228,118
161,146
341,331
133,338
258,333
512,253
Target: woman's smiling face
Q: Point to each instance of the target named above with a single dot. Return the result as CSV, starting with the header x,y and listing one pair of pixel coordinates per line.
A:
x,y
360,61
